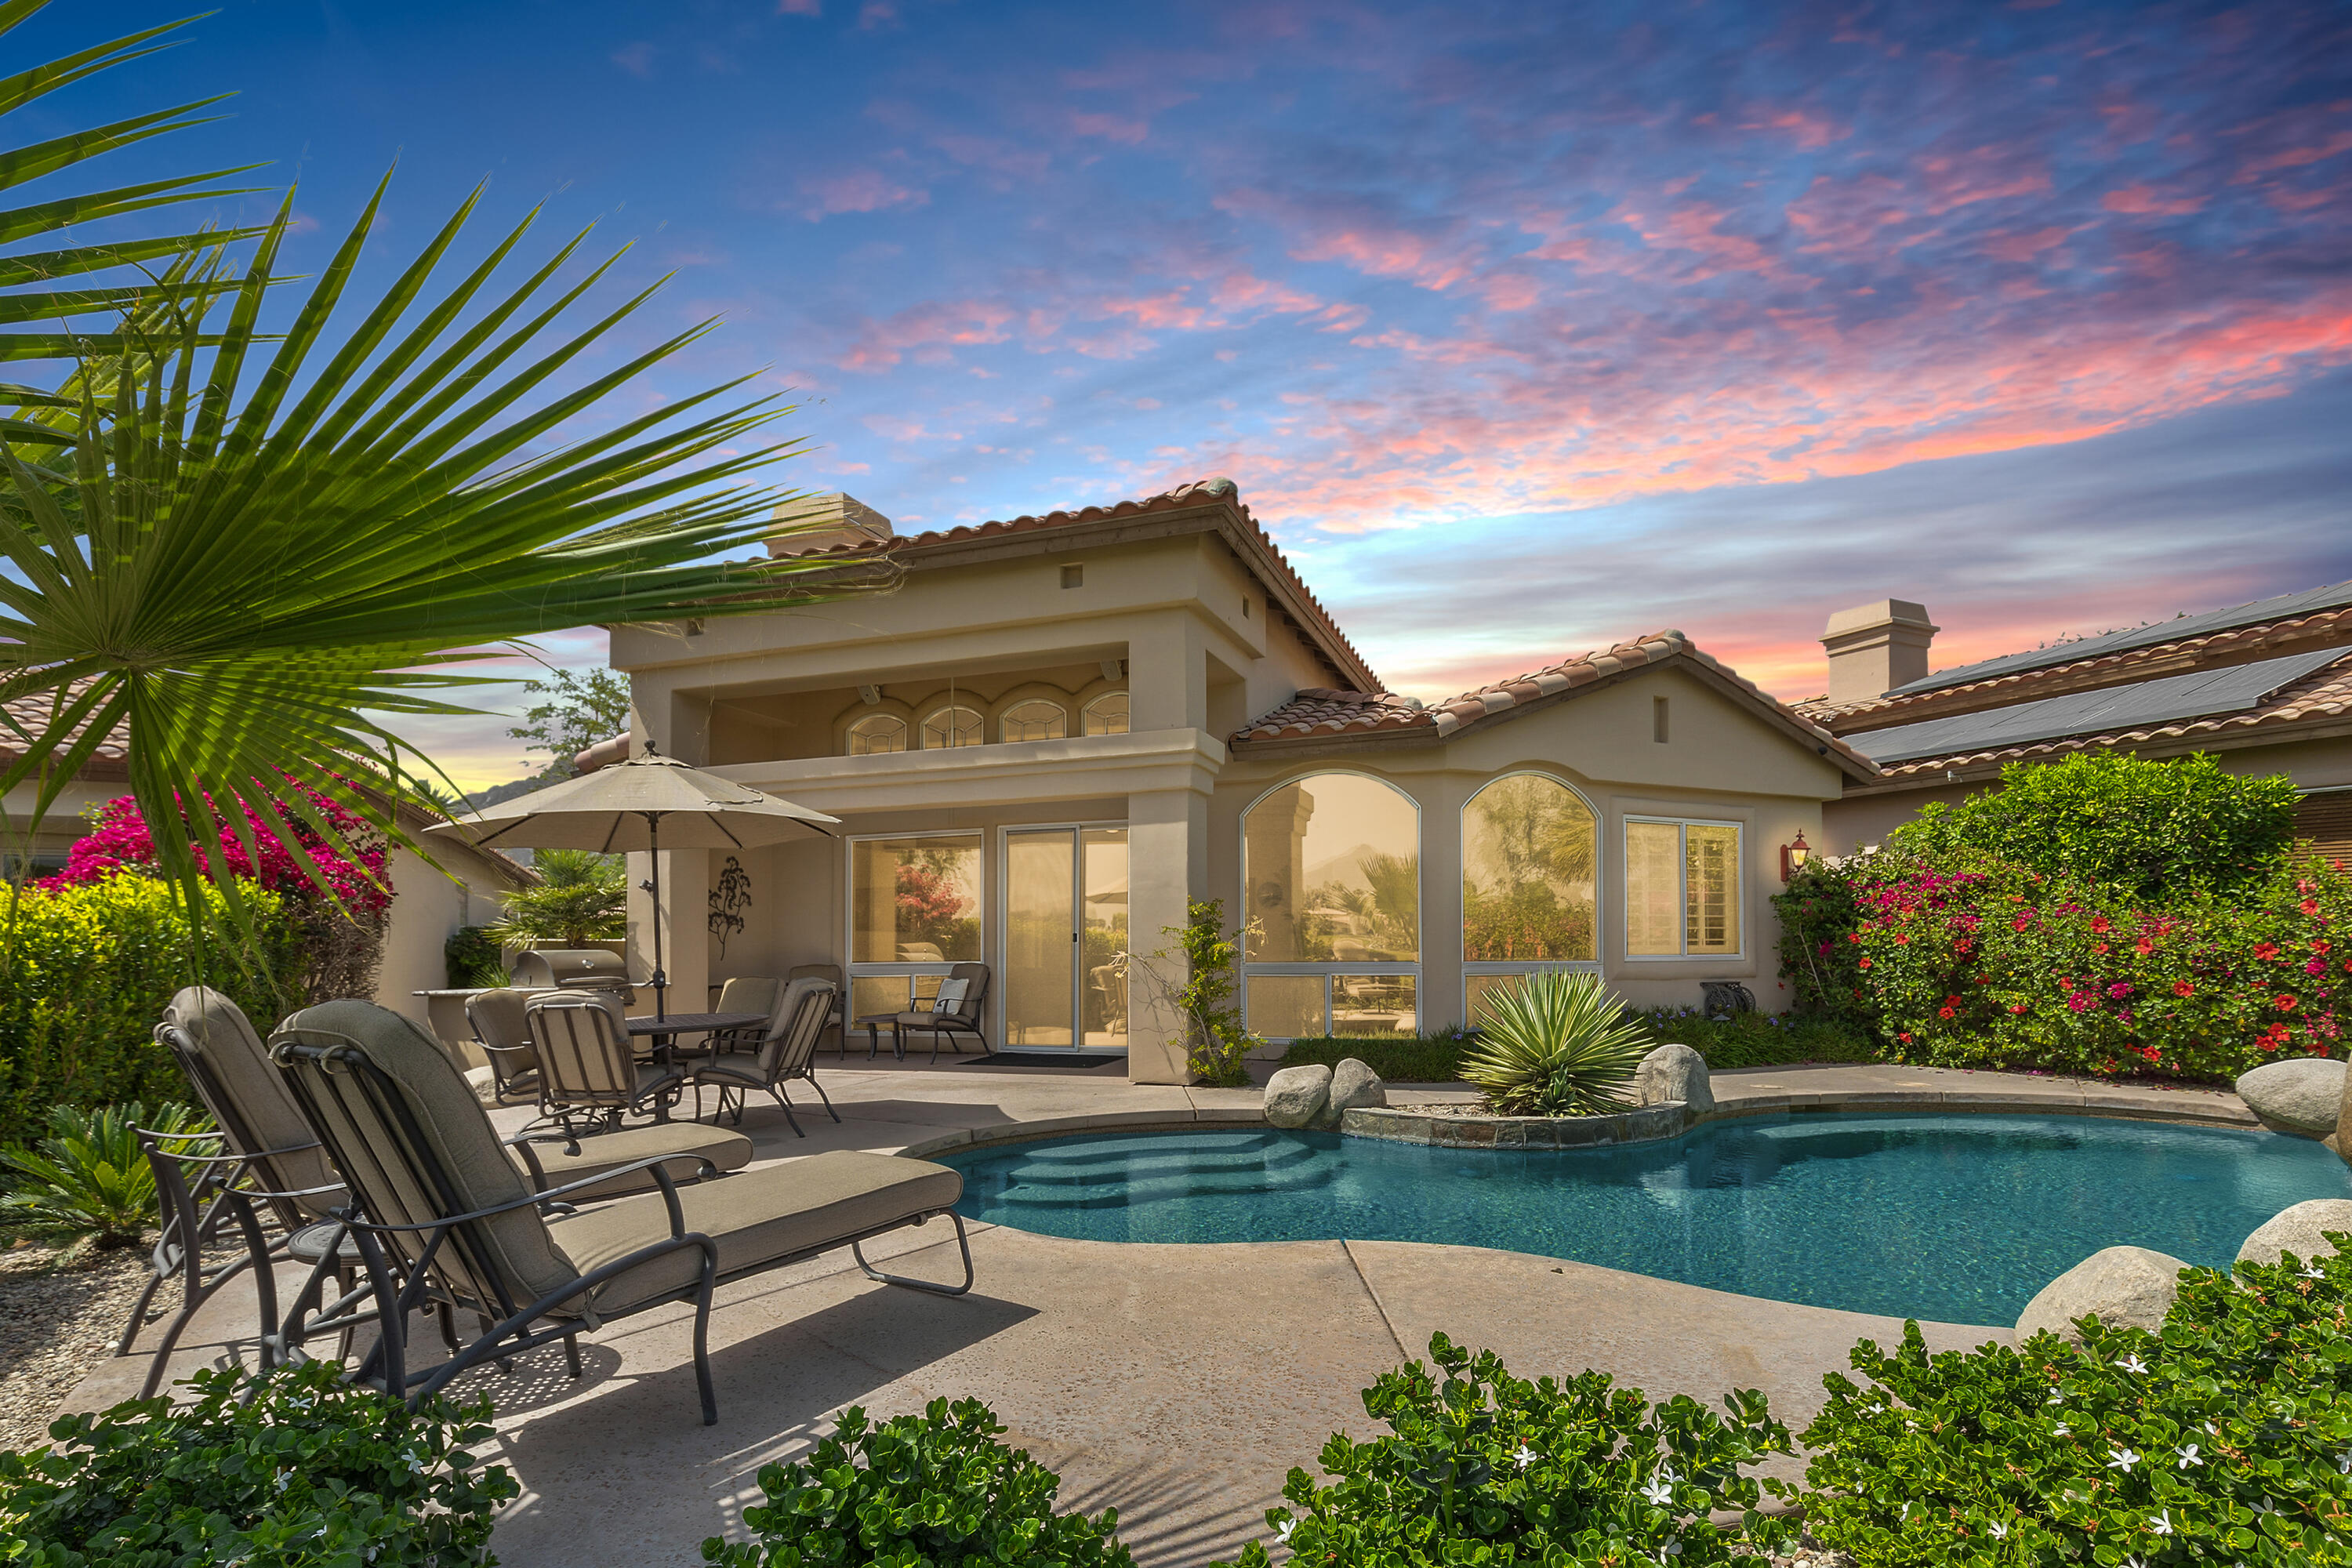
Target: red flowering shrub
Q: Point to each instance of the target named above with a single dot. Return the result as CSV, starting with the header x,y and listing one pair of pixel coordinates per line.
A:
x,y
1997,965
121,839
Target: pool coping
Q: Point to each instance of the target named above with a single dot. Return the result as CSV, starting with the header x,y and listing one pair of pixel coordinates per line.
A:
x,y
1647,1124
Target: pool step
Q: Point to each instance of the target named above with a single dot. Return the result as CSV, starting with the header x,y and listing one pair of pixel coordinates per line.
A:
x,y
1157,1189
1081,1167
1100,1176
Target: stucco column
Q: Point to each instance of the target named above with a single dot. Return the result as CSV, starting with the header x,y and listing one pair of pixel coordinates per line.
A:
x,y
686,935
1167,860
1167,673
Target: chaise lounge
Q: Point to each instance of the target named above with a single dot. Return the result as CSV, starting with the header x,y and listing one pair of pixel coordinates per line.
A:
x,y
443,1218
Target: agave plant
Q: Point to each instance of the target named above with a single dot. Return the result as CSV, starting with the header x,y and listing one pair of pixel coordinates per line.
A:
x,y
1557,1045
259,558
88,1175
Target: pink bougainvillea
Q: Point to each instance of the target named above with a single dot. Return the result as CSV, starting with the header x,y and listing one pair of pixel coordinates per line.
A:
x,y
121,840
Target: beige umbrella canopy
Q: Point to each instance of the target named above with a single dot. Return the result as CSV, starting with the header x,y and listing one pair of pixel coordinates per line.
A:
x,y
644,803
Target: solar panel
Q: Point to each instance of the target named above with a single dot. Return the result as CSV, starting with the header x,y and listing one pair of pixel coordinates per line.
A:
x,y
2191,696
2286,606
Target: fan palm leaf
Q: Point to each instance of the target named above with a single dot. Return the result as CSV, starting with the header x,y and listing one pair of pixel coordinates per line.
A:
x,y
30,294
1557,1045
261,555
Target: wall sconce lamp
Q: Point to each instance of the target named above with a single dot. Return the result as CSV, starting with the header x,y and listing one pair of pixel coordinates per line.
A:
x,y
1793,857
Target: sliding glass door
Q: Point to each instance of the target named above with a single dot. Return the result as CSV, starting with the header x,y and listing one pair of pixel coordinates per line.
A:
x,y
1065,923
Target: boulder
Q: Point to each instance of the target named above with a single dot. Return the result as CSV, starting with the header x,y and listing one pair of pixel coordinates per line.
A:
x,y
2303,1096
2122,1287
2298,1230
1671,1074
1354,1086
1295,1097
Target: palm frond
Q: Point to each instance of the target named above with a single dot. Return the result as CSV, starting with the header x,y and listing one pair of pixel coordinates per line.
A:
x,y
257,557
29,277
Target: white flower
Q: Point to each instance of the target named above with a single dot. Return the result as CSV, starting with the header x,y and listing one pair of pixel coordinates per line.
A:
x,y
2132,1363
2343,1463
2061,1429
2312,1271
2212,1430
1282,1529
2121,1458
1526,1456
2056,1397
2162,1524
2188,1457
1999,1530
1660,1491
1674,1548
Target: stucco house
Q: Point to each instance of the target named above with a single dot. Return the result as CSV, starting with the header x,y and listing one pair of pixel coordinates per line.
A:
x,y
1056,730
427,906
2265,688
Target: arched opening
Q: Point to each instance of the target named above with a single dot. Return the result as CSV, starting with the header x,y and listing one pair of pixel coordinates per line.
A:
x,y
1331,878
1035,719
955,726
877,733
1530,850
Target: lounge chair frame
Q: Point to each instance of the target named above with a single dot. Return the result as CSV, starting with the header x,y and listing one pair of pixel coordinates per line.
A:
x,y
446,1261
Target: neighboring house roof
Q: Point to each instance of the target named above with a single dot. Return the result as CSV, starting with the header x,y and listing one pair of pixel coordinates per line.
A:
x,y
1218,499
2262,612
110,760
2279,668
1318,715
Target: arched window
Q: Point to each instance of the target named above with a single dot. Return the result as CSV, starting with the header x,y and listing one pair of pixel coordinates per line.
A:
x,y
1529,848
1331,875
1106,715
877,733
1035,719
957,726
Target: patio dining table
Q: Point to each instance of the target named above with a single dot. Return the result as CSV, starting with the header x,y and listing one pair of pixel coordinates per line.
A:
x,y
664,1032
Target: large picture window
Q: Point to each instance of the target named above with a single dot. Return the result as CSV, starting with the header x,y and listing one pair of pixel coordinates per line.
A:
x,y
1527,854
1682,888
1331,876
914,909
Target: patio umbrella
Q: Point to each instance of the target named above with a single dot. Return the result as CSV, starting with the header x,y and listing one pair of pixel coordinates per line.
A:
x,y
640,803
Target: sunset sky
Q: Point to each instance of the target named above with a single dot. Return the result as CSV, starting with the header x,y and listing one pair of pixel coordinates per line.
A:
x,y
1523,327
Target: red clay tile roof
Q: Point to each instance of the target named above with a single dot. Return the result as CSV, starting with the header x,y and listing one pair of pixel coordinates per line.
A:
x,y
1320,714
110,760
1200,492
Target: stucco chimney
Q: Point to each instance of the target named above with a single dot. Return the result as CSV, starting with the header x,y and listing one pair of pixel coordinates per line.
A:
x,y
822,521
1876,647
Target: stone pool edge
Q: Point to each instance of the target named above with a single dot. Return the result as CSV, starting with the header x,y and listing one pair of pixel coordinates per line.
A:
x,y
1649,1124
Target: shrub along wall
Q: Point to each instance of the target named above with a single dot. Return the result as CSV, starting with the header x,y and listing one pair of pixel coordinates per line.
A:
x,y
84,974
2103,915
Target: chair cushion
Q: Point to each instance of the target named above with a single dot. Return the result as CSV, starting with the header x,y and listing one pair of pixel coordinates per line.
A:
x,y
929,1021
609,1150
259,1099
756,1218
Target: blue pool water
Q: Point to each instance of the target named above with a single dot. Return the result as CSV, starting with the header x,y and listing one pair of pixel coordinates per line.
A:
x,y
1958,1218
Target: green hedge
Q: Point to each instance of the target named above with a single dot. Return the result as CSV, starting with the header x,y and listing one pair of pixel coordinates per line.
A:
x,y
84,974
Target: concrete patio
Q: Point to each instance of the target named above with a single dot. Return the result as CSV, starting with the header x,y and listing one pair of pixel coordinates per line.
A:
x,y
1178,1384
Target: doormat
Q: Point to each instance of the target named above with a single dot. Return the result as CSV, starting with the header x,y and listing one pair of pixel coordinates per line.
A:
x,y
1045,1059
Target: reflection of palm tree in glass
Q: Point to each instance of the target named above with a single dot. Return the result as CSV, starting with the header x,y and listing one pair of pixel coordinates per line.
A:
x,y
1376,923
1527,892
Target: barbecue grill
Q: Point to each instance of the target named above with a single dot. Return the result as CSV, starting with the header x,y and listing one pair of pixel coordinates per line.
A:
x,y
572,969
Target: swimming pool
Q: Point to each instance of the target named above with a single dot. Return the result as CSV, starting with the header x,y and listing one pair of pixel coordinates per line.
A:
x,y
1960,1218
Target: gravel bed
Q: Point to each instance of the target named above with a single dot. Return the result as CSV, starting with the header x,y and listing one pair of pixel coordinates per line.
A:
x,y
60,1309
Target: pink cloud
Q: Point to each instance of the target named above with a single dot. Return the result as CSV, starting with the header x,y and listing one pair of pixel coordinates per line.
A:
x,y
1987,173
2143,200
637,58
1809,129
800,7
1109,127
927,329
857,191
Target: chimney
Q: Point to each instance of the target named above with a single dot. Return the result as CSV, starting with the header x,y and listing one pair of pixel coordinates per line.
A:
x,y
1874,648
822,521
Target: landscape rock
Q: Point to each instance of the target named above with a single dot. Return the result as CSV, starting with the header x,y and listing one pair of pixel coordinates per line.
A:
x,y
2122,1287
2303,1096
1673,1073
2298,1230
1354,1087
1295,1096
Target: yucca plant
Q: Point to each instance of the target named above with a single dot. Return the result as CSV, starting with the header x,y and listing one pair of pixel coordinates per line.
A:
x,y
1557,1045
257,558
88,1174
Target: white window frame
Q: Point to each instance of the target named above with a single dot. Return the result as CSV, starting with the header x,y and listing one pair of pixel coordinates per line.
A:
x,y
852,971
1682,866
1420,913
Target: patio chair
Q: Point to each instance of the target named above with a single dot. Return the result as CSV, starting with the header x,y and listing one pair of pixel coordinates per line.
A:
x,y
434,1195
788,1051
838,1020
744,994
957,1019
589,1075
503,1030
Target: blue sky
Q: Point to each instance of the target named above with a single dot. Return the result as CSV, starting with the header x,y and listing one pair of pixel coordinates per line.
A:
x,y
1555,322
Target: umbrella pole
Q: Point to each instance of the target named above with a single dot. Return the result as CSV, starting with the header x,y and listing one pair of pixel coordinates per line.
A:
x,y
661,978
